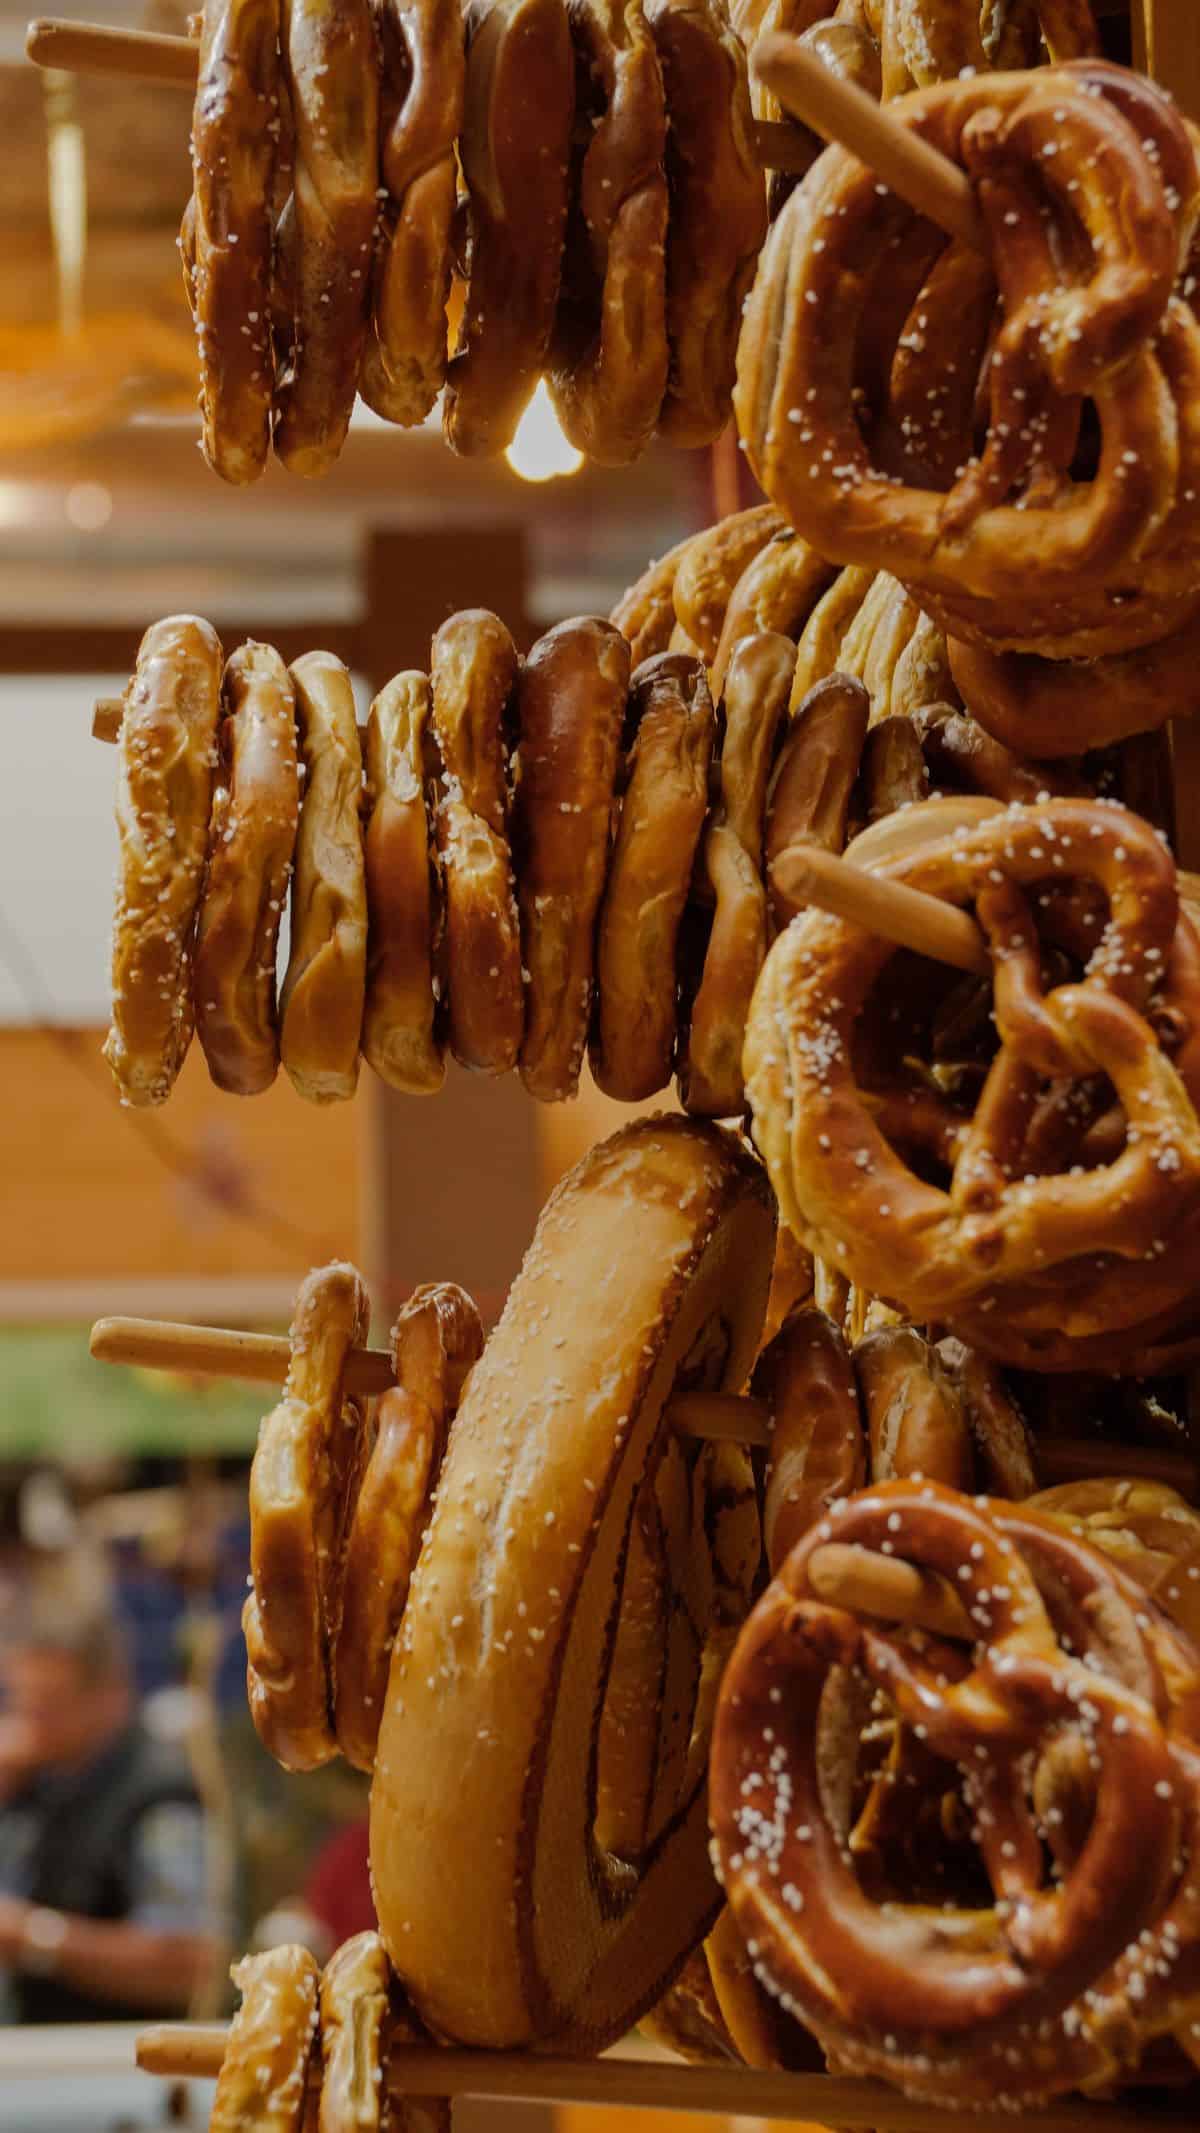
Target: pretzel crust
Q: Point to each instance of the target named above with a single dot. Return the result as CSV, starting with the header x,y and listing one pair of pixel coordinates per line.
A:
x,y
515,153
423,66
354,2019
663,805
808,799
915,1422
645,613
776,591
228,241
571,703
818,1448
256,809
401,1036
710,567
264,2071
1060,707
164,797
323,994
500,1935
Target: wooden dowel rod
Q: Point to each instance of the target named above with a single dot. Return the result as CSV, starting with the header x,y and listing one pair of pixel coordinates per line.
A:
x,y
839,111
94,48
620,2083
107,715
804,874
262,1359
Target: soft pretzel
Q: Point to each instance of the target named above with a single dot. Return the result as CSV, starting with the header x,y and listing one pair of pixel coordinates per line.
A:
x,y
1148,1529
608,354
995,1234
515,155
756,692
474,668
423,71
645,613
1005,1452
164,796
915,1422
664,799
321,1003
571,704
808,800
718,215
710,567
495,1902
1060,707
892,773
956,746
818,651
688,2019
402,1030
253,835
228,241
925,41
307,1449
264,2073
331,69
777,591
1018,554
435,1342
818,1446
354,2029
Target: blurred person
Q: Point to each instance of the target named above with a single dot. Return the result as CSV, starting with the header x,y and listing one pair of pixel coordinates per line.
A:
x,y
336,1902
104,1868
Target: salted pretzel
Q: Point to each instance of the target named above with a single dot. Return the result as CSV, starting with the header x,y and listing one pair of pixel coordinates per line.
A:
x,y
474,668
1056,707
1149,1530
1076,1255
423,73
322,999
608,354
926,41
354,2024
717,219
515,159
228,234
401,1032
331,71
776,591
663,786
892,773
915,1423
1018,554
645,613
252,835
164,795
818,1445
930,1999
809,795
264,2073
571,707
710,567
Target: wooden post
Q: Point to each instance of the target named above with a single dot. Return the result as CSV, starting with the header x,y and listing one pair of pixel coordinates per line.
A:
x,y
1166,44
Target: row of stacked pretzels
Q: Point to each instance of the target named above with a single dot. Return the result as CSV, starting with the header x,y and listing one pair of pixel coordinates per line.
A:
x,y
586,172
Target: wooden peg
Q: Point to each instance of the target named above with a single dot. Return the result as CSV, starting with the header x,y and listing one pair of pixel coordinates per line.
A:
x,y
804,874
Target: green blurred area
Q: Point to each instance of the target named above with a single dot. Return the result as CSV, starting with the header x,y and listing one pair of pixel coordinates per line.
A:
x,y
56,1402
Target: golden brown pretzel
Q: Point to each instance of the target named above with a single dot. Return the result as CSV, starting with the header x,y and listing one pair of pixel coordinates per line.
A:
x,y
608,354
1057,707
307,1448
925,41
322,998
227,245
718,214
710,567
808,800
164,797
756,691
571,703
264,2072
1005,1452
645,613
401,1032
474,668
818,1448
423,70
664,798
957,747
1017,554
948,1255
512,1603
777,591
256,809
915,1422
1148,1529
331,69
818,653
514,151
354,2029
892,773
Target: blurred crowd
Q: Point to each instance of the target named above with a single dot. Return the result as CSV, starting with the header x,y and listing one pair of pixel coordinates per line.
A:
x,y
145,1836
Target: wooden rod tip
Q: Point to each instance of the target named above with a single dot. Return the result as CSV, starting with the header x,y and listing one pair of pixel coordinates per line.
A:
x,y
107,715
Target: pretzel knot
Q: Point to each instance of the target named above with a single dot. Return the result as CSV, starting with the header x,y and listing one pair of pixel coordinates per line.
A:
x,y
1048,1978
979,1221
1023,535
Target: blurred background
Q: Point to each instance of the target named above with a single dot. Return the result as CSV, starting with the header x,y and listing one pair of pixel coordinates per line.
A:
x,y
133,1793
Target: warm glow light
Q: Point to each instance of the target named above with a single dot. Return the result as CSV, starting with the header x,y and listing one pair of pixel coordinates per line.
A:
x,y
539,450
88,505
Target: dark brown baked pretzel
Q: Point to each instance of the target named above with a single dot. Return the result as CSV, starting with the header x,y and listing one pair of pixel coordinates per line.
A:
x,y
402,1030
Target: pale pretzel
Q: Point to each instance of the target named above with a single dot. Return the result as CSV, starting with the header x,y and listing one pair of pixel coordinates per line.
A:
x,y
645,613
256,809
354,2024
915,1421
777,591
323,994
718,212
474,668
514,152
818,653
331,69
710,567
436,1340
1017,555
227,243
168,752
608,354
925,41
756,692
402,1029
664,799
307,1448
571,707
493,1897
264,2072
423,71
818,1446
808,800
